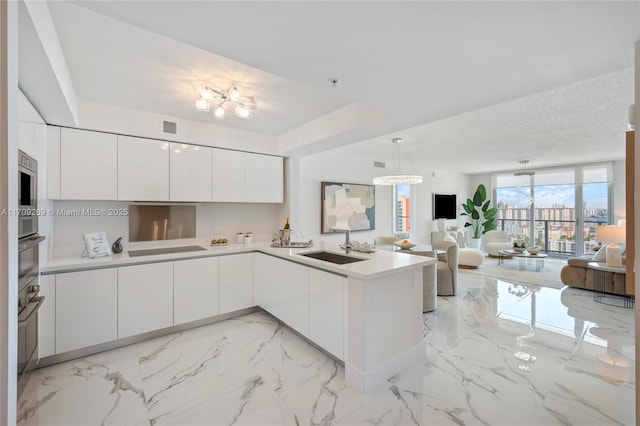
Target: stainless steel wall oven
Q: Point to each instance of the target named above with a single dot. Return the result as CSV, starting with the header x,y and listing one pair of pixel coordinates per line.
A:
x,y
27,195
28,268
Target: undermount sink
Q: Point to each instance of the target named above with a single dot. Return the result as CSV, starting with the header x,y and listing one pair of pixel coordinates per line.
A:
x,y
328,256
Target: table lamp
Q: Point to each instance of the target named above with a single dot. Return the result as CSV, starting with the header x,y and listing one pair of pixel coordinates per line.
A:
x,y
613,235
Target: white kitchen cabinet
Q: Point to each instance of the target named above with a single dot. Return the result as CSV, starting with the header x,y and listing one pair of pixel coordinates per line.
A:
x,y
53,163
326,311
282,289
195,289
263,178
143,169
88,165
235,282
47,317
145,298
86,308
228,175
190,172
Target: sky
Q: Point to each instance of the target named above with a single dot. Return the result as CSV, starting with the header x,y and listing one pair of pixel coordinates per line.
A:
x,y
594,195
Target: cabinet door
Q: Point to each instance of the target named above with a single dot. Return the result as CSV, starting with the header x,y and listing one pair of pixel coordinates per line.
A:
x,y
228,175
190,173
326,311
145,298
263,178
47,317
195,289
53,162
282,289
88,165
236,282
143,169
86,308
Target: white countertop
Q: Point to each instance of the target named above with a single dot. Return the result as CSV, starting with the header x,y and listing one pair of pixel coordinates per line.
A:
x,y
377,264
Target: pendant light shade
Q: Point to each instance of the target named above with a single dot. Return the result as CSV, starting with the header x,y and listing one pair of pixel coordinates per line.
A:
x,y
398,178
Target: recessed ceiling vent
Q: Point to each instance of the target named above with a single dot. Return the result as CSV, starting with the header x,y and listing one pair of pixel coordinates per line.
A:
x,y
378,164
170,127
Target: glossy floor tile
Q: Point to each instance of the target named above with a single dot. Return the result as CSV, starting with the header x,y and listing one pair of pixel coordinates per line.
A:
x,y
498,353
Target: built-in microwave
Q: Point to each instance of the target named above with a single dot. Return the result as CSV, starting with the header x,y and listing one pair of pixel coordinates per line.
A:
x,y
27,195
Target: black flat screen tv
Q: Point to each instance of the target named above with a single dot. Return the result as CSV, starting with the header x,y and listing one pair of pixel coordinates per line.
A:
x,y
444,206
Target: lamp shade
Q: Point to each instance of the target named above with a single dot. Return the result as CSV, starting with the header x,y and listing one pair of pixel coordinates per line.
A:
x,y
611,234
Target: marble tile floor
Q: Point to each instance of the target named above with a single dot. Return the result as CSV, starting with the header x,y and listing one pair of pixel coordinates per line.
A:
x,y
497,354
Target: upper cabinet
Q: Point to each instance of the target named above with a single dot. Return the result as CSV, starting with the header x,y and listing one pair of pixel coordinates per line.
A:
x,y
88,165
143,169
190,167
263,178
228,175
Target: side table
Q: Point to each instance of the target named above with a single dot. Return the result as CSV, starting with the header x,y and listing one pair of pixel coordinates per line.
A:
x,y
600,295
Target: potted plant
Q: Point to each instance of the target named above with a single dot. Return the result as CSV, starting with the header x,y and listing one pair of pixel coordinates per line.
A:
x,y
519,246
481,218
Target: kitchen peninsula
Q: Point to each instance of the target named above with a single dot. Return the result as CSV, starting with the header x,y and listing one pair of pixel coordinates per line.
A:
x,y
367,314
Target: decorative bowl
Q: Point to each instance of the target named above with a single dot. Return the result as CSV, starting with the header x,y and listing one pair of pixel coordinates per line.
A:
x,y
518,249
533,250
404,244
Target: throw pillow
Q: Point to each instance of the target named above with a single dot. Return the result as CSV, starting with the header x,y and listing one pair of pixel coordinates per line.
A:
x,y
601,255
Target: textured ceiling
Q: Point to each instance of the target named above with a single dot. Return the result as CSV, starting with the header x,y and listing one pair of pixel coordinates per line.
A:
x,y
472,86
580,123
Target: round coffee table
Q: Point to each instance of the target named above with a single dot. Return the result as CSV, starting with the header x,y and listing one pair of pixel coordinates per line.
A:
x,y
522,258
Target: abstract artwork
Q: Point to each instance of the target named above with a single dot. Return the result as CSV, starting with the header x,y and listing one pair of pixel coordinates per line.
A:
x,y
348,206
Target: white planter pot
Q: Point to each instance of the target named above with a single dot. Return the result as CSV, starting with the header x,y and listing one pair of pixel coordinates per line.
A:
x,y
475,242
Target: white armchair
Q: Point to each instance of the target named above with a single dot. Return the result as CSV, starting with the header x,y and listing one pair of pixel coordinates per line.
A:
x,y
494,241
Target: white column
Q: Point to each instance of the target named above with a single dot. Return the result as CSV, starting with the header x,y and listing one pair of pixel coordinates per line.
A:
x,y
8,200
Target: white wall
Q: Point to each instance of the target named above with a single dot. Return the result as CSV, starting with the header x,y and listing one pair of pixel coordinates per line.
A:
x,y
8,200
335,166
213,220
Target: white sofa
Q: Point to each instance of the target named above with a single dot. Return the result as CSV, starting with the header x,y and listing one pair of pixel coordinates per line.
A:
x,y
494,241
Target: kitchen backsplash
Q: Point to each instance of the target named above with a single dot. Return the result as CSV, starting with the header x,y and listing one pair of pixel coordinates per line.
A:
x,y
72,219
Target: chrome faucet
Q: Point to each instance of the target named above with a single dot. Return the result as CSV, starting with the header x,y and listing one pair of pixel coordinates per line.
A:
x,y
347,238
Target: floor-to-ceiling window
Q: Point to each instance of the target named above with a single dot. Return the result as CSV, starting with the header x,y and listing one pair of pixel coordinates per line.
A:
x,y
555,209
402,210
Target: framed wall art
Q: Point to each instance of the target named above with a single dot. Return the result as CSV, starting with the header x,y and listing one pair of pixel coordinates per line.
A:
x,y
348,206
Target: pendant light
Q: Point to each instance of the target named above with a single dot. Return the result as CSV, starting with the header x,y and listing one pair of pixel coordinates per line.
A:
x,y
399,178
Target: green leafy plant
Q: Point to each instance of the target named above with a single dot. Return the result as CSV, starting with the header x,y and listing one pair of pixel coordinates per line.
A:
x,y
481,218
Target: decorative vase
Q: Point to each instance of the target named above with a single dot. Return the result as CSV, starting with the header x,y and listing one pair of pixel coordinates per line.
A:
x,y
442,224
117,246
475,242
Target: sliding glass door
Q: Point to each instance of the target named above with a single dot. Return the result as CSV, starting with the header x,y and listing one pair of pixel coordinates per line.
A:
x,y
542,206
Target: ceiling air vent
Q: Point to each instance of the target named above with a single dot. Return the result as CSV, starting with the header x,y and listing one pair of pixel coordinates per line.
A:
x,y
170,127
378,164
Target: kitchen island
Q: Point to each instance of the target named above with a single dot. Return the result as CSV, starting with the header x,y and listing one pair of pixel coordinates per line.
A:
x,y
367,314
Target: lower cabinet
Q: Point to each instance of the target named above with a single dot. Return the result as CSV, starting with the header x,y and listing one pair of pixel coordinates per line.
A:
x,y
282,289
47,317
195,289
235,282
86,308
327,294
145,298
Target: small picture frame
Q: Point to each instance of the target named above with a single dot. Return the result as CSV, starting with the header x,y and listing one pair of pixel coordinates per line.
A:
x,y
96,244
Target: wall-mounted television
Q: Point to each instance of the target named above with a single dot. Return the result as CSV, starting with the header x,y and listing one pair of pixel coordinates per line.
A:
x,y
444,206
